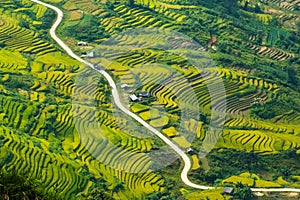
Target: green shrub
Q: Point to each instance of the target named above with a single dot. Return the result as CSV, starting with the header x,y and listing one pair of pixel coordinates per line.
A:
x,y
88,30
14,186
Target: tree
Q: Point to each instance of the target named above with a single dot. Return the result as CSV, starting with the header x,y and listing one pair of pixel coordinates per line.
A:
x,y
286,172
165,195
230,3
298,26
17,185
275,22
100,191
243,192
257,9
246,5
118,185
47,20
292,76
23,23
88,30
17,3
130,2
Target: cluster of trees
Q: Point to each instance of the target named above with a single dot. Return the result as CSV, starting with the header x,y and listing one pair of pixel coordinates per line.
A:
x,y
272,108
42,29
243,192
48,19
100,191
18,186
228,163
24,24
228,7
2,45
18,81
87,30
292,76
232,162
130,2
15,185
256,8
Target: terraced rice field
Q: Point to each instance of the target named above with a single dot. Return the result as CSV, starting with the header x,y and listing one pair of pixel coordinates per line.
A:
x,y
44,119
288,5
270,39
46,145
258,141
38,9
55,170
16,61
242,90
23,40
33,119
272,53
128,18
254,180
84,5
251,180
236,84
75,15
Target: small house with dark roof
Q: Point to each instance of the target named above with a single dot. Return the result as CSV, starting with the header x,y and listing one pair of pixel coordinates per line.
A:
x,y
133,98
144,94
228,191
81,43
98,67
212,42
90,55
125,86
190,151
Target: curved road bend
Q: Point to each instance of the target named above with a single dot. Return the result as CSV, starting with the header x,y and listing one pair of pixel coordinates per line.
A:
x,y
115,94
